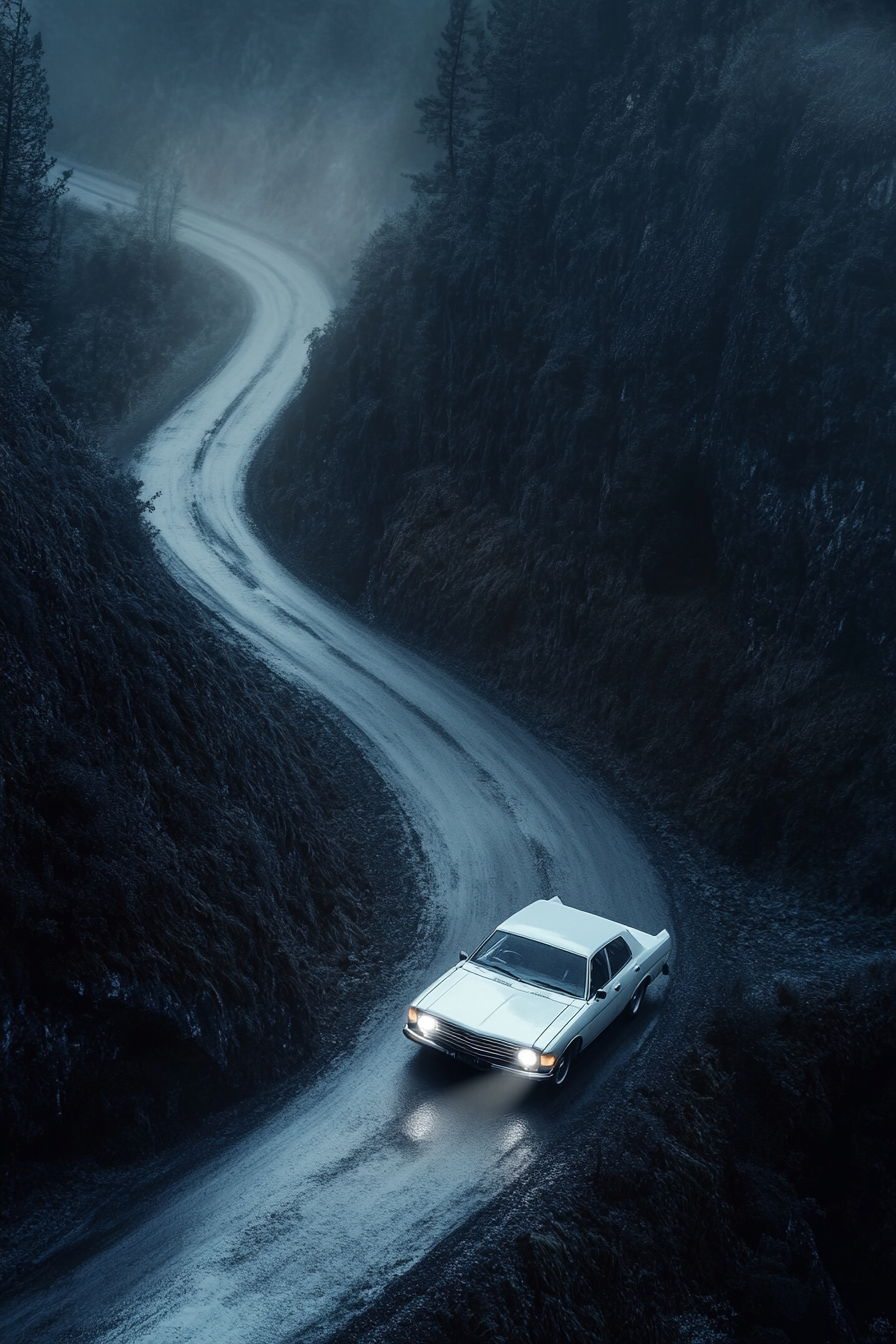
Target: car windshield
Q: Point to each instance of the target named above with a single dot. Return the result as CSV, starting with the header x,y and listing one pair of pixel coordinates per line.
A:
x,y
536,963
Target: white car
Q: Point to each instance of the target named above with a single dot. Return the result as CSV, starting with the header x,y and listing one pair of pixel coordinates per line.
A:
x,y
538,990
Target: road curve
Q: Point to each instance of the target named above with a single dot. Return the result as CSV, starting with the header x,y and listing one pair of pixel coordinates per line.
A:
x,y
300,1223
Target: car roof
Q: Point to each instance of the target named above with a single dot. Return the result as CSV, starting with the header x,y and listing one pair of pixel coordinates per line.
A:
x,y
562,926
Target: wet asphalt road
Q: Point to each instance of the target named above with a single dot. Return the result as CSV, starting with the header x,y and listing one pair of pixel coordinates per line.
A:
x,y
300,1222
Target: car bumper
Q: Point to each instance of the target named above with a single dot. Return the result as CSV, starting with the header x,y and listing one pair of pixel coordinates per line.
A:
x,y
485,1066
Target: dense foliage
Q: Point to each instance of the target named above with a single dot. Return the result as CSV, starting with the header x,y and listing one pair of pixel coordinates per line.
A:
x,y
127,310
186,869
748,1198
179,872
609,416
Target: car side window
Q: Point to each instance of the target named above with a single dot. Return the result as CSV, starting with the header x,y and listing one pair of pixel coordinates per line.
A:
x,y
600,971
618,953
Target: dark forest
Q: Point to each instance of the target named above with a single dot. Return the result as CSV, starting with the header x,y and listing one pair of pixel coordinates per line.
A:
x,y
609,415
607,424
602,424
175,822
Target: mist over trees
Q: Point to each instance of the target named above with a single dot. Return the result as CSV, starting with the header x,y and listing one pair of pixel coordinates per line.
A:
x,y
607,422
181,877
448,116
130,320
608,417
295,115
27,198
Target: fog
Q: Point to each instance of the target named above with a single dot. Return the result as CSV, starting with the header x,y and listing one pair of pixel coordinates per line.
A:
x,y
295,116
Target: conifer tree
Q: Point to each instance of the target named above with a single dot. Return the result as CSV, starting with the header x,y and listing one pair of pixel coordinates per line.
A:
x,y
449,115
27,197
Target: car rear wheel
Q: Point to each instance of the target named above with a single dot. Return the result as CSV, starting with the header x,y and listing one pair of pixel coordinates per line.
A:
x,y
637,998
561,1073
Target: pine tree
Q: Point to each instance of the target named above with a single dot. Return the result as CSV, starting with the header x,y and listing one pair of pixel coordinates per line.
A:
x,y
27,197
449,115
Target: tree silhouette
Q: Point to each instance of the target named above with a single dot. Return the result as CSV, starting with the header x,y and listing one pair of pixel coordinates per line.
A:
x,y
449,114
159,202
27,198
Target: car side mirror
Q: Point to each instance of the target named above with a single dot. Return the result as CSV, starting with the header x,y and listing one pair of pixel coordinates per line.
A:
x,y
464,956
600,994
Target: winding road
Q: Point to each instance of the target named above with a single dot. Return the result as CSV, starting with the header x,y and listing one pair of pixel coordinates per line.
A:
x,y
300,1222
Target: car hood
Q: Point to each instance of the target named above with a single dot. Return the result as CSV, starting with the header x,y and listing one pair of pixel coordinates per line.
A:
x,y
504,1008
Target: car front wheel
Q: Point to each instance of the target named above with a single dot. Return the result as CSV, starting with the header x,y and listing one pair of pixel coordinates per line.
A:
x,y
561,1073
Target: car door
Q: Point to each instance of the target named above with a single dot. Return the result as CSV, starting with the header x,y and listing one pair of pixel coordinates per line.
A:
x,y
623,976
596,1017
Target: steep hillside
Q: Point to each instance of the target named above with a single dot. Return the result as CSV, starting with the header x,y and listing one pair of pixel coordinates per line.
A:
x,y
184,871
609,417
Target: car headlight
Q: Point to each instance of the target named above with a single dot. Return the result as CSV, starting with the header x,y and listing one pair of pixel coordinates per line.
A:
x,y
527,1058
427,1024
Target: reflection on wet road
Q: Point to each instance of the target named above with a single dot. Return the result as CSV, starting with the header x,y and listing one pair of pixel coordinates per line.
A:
x,y
302,1221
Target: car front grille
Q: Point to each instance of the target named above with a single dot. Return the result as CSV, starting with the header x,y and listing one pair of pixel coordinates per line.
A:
x,y
486,1048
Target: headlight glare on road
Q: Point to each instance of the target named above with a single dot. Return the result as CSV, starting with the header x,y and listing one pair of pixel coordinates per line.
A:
x,y
527,1058
412,1015
426,1024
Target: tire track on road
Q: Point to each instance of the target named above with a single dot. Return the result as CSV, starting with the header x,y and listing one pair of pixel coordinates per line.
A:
x,y
300,1223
